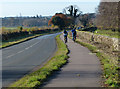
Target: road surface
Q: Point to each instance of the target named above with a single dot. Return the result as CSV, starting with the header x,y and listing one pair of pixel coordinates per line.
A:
x,y
20,59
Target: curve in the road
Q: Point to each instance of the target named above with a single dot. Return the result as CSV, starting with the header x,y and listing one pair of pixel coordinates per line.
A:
x,y
22,58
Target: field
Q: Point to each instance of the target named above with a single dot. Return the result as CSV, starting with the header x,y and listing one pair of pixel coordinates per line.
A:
x,y
13,35
108,33
17,29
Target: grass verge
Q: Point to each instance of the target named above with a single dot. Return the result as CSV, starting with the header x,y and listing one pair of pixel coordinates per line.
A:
x,y
110,70
36,78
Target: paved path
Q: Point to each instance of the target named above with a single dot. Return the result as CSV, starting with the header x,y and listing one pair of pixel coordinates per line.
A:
x,y
83,69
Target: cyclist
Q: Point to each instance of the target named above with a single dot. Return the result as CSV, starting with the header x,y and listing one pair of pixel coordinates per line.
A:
x,y
73,34
65,33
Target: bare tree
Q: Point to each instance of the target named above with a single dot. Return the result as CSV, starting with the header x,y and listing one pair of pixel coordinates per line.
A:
x,y
107,15
73,11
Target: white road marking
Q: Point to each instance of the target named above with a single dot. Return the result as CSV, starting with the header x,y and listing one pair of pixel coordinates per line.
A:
x,y
22,50
34,44
10,56
27,48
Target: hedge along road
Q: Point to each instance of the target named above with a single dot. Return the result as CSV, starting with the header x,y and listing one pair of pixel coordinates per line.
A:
x,y
20,59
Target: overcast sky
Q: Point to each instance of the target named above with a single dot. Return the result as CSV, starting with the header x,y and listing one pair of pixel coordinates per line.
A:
x,y
43,7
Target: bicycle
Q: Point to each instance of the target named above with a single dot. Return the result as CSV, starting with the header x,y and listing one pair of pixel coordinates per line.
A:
x,y
74,38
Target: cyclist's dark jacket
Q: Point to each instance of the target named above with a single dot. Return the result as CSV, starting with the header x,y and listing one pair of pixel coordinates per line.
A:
x,y
65,33
73,32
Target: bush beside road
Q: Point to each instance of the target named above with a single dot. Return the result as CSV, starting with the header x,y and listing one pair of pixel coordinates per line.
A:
x,y
9,39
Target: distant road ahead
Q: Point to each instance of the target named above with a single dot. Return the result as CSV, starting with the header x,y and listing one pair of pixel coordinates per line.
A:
x,y
20,59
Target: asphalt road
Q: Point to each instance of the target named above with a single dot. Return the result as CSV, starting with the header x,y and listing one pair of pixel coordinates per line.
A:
x,y
20,59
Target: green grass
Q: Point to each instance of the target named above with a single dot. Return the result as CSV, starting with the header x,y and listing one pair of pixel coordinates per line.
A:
x,y
110,70
9,28
108,33
36,78
17,29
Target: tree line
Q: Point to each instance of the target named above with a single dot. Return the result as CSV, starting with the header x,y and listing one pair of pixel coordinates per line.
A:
x,y
25,21
72,18
106,16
